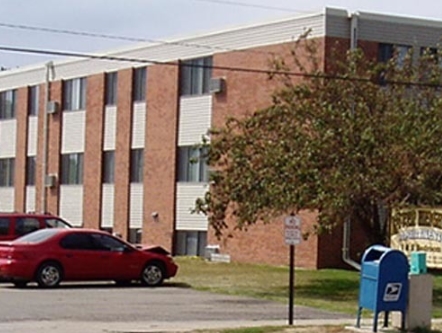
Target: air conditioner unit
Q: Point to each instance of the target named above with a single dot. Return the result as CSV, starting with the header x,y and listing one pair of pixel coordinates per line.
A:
x,y
50,180
217,85
52,107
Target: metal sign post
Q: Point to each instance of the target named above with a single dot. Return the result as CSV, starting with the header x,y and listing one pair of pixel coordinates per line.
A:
x,y
293,236
291,283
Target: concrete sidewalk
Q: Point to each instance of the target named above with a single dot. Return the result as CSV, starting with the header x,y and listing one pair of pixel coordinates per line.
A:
x,y
173,326
152,326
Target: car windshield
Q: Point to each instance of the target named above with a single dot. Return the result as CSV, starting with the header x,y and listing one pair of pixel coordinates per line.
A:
x,y
56,223
37,236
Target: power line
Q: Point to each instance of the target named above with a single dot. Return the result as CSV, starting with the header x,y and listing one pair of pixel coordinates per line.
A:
x,y
227,68
245,4
148,40
122,59
72,32
117,37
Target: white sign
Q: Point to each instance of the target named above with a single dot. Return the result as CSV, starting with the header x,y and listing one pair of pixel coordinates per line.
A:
x,y
392,292
292,230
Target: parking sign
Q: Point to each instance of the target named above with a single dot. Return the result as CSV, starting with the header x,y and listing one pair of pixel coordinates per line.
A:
x,y
292,230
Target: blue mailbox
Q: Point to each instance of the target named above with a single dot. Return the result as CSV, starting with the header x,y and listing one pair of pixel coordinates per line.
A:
x,y
384,283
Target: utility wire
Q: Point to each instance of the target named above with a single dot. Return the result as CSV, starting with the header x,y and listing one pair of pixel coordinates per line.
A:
x,y
226,68
125,38
124,59
148,40
250,5
72,32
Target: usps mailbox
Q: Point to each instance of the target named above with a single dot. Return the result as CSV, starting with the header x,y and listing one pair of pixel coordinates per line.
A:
x,y
383,283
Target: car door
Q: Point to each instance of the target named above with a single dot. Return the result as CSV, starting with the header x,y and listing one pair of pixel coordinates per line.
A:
x,y
81,259
122,262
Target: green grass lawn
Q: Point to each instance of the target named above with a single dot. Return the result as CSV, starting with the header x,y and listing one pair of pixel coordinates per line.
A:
x,y
328,289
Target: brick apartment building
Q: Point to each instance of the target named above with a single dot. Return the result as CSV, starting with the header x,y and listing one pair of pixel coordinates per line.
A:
x,y
116,137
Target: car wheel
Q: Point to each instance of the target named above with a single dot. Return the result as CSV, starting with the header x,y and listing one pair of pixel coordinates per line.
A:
x,y
153,274
20,284
49,275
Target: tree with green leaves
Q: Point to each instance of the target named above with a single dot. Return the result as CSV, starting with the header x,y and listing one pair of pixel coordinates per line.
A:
x,y
350,139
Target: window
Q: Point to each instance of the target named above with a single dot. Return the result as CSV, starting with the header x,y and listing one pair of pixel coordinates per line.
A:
x,y
33,100
388,51
4,226
72,168
6,172
195,76
30,170
385,52
108,243
136,165
108,167
77,241
139,85
135,235
56,223
25,225
74,94
111,88
192,166
107,229
7,104
37,236
191,243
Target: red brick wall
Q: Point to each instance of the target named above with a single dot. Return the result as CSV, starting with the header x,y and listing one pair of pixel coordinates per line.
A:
x,y
122,153
338,47
245,93
39,157
369,48
21,150
54,148
330,246
265,243
93,151
160,155
335,48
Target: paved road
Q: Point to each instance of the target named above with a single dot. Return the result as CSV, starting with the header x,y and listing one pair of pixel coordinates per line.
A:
x,y
97,308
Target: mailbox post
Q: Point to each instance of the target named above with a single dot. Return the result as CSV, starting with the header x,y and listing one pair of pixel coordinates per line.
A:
x,y
383,283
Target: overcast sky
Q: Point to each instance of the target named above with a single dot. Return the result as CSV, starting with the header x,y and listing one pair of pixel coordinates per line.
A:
x,y
157,19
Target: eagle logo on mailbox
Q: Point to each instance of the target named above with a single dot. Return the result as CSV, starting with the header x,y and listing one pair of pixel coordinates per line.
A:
x,y
392,292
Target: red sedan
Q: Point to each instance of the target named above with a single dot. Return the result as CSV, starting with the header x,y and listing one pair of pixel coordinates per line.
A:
x,y
49,256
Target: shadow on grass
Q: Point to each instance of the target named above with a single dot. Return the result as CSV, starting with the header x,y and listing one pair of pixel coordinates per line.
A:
x,y
335,290
331,289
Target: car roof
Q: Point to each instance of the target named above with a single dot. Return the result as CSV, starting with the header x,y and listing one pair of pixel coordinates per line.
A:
x,y
75,230
80,230
86,230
